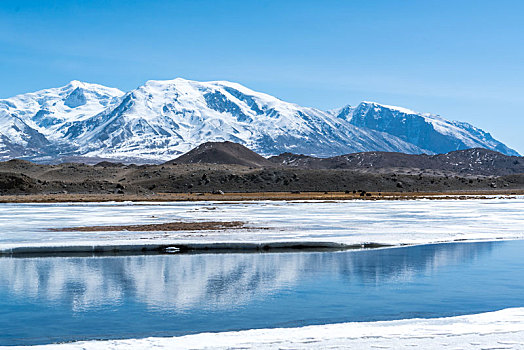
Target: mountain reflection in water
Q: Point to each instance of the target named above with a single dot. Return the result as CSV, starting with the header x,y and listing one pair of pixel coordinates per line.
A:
x,y
213,281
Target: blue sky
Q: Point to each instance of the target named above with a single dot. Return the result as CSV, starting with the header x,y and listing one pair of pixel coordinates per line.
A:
x,y
460,59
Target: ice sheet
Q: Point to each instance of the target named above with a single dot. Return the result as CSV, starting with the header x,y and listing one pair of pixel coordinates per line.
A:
x,y
345,222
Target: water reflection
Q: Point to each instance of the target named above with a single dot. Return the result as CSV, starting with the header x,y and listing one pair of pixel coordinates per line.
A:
x,y
213,281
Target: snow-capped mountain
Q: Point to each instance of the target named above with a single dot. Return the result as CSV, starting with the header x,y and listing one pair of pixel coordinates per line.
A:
x,y
426,131
33,124
161,119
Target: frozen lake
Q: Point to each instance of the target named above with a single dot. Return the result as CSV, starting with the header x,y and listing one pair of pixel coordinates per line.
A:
x,y
55,299
346,222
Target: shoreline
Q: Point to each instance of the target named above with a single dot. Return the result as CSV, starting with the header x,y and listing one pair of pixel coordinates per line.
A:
x,y
163,248
174,247
252,196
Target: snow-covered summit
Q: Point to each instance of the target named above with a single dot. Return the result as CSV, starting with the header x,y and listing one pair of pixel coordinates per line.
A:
x,y
163,118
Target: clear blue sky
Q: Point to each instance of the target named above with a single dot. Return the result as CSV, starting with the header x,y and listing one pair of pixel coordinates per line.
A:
x,y
461,59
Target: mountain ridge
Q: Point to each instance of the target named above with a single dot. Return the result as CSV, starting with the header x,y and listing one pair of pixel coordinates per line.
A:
x,y
162,119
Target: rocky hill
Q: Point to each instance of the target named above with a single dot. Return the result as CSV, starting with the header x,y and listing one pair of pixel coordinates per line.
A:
x,y
230,167
475,161
223,153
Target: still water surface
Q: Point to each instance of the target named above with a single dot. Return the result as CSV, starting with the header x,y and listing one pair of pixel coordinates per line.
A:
x,y
55,299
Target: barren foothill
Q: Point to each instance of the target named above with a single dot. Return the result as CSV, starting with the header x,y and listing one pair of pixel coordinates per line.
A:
x,y
226,171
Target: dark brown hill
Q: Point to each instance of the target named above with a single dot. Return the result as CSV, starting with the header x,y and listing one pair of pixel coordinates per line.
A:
x,y
238,169
475,161
223,153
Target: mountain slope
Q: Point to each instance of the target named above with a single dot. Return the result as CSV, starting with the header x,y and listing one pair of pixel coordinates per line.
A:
x,y
162,119
17,139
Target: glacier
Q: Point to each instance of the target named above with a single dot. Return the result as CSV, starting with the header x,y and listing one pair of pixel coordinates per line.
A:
x,y
162,119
